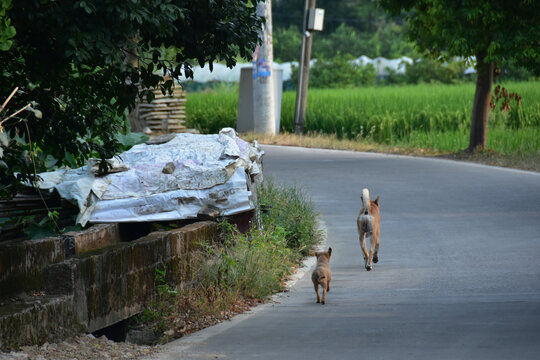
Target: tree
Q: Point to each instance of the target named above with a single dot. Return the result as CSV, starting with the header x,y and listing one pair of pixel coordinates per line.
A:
x,y
287,44
490,31
362,15
7,31
68,60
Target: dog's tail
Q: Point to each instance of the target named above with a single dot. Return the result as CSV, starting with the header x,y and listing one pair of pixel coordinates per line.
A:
x,y
320,277
365,201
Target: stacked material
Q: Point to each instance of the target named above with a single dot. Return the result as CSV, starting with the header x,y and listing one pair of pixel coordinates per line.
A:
x,y
31,208
166,113
170,181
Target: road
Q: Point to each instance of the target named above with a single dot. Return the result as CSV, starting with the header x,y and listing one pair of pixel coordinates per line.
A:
x,y
458,275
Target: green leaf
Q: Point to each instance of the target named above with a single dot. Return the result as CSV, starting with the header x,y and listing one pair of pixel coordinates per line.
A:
x,y
34,232
130,139
50,161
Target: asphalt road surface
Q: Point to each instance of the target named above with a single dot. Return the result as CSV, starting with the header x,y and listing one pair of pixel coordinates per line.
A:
x,y
458,274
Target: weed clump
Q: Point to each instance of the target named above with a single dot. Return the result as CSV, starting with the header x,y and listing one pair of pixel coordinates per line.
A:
x,y
230,276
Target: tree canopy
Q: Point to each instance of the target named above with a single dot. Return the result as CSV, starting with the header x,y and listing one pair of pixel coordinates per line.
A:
x,y
361,15
351,27
68,59
504,30
493,32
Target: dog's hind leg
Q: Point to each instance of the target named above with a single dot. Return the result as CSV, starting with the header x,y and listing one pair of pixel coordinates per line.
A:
x,y
376,254
363,245
369,262
316,285
324,286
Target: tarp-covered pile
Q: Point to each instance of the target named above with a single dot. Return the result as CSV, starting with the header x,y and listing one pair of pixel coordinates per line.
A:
x,y
169,181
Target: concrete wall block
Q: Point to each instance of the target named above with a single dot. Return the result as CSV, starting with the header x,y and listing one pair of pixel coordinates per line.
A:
x,y
22,264
60,278
36,322
177,242
119,280
96,237
99,287
199,232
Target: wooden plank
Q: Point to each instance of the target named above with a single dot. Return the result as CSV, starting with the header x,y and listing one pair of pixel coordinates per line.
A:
x,y
167,100
163,117
166,113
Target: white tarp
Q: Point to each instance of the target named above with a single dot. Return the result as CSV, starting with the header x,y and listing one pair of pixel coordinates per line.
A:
x,y
225,74
213,170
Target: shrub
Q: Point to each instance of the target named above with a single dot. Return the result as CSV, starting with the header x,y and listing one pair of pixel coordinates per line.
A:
x,y
345,40
428,70
249,265
287,44
290,209
338,72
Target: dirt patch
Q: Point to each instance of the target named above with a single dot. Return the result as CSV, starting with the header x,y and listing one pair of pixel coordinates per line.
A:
x,y
82,347
529,162
181,323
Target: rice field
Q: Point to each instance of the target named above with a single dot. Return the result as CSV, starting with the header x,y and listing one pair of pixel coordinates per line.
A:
x,y
426,116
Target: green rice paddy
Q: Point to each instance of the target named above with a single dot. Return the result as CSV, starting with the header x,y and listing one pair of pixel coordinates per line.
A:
x,y
426,116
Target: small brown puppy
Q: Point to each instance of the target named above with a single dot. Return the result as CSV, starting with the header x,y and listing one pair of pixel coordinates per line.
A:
x,y
322,274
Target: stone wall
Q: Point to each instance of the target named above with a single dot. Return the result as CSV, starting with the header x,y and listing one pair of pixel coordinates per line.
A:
x,y
22,264
71,284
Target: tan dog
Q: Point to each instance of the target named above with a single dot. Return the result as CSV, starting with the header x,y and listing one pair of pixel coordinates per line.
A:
x,y
369,225
322,274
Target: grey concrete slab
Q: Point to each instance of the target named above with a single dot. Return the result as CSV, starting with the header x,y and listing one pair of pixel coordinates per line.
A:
x,y
458,276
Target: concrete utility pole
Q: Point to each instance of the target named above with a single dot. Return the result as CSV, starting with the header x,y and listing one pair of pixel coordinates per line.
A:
x,y
303,72
263,78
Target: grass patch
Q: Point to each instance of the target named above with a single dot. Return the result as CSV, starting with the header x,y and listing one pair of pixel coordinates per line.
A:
x,y
209,112
240,271
291,211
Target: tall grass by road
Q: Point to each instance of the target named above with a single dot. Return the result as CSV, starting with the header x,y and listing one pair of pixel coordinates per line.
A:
x,y
228,276
426,116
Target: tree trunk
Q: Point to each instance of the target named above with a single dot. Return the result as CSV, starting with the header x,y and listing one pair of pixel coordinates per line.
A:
x,y
482,96
135,123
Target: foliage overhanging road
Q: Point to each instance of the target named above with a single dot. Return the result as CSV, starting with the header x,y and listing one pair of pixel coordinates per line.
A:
x,y
457,277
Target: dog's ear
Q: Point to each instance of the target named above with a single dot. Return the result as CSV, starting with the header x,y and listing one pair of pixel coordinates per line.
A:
x,y
316,254
376,201
329,251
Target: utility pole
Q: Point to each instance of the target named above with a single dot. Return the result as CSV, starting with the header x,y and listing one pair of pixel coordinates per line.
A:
x,y
264,102
303,72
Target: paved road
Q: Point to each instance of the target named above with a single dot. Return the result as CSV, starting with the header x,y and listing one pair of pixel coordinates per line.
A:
x,y
458,276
